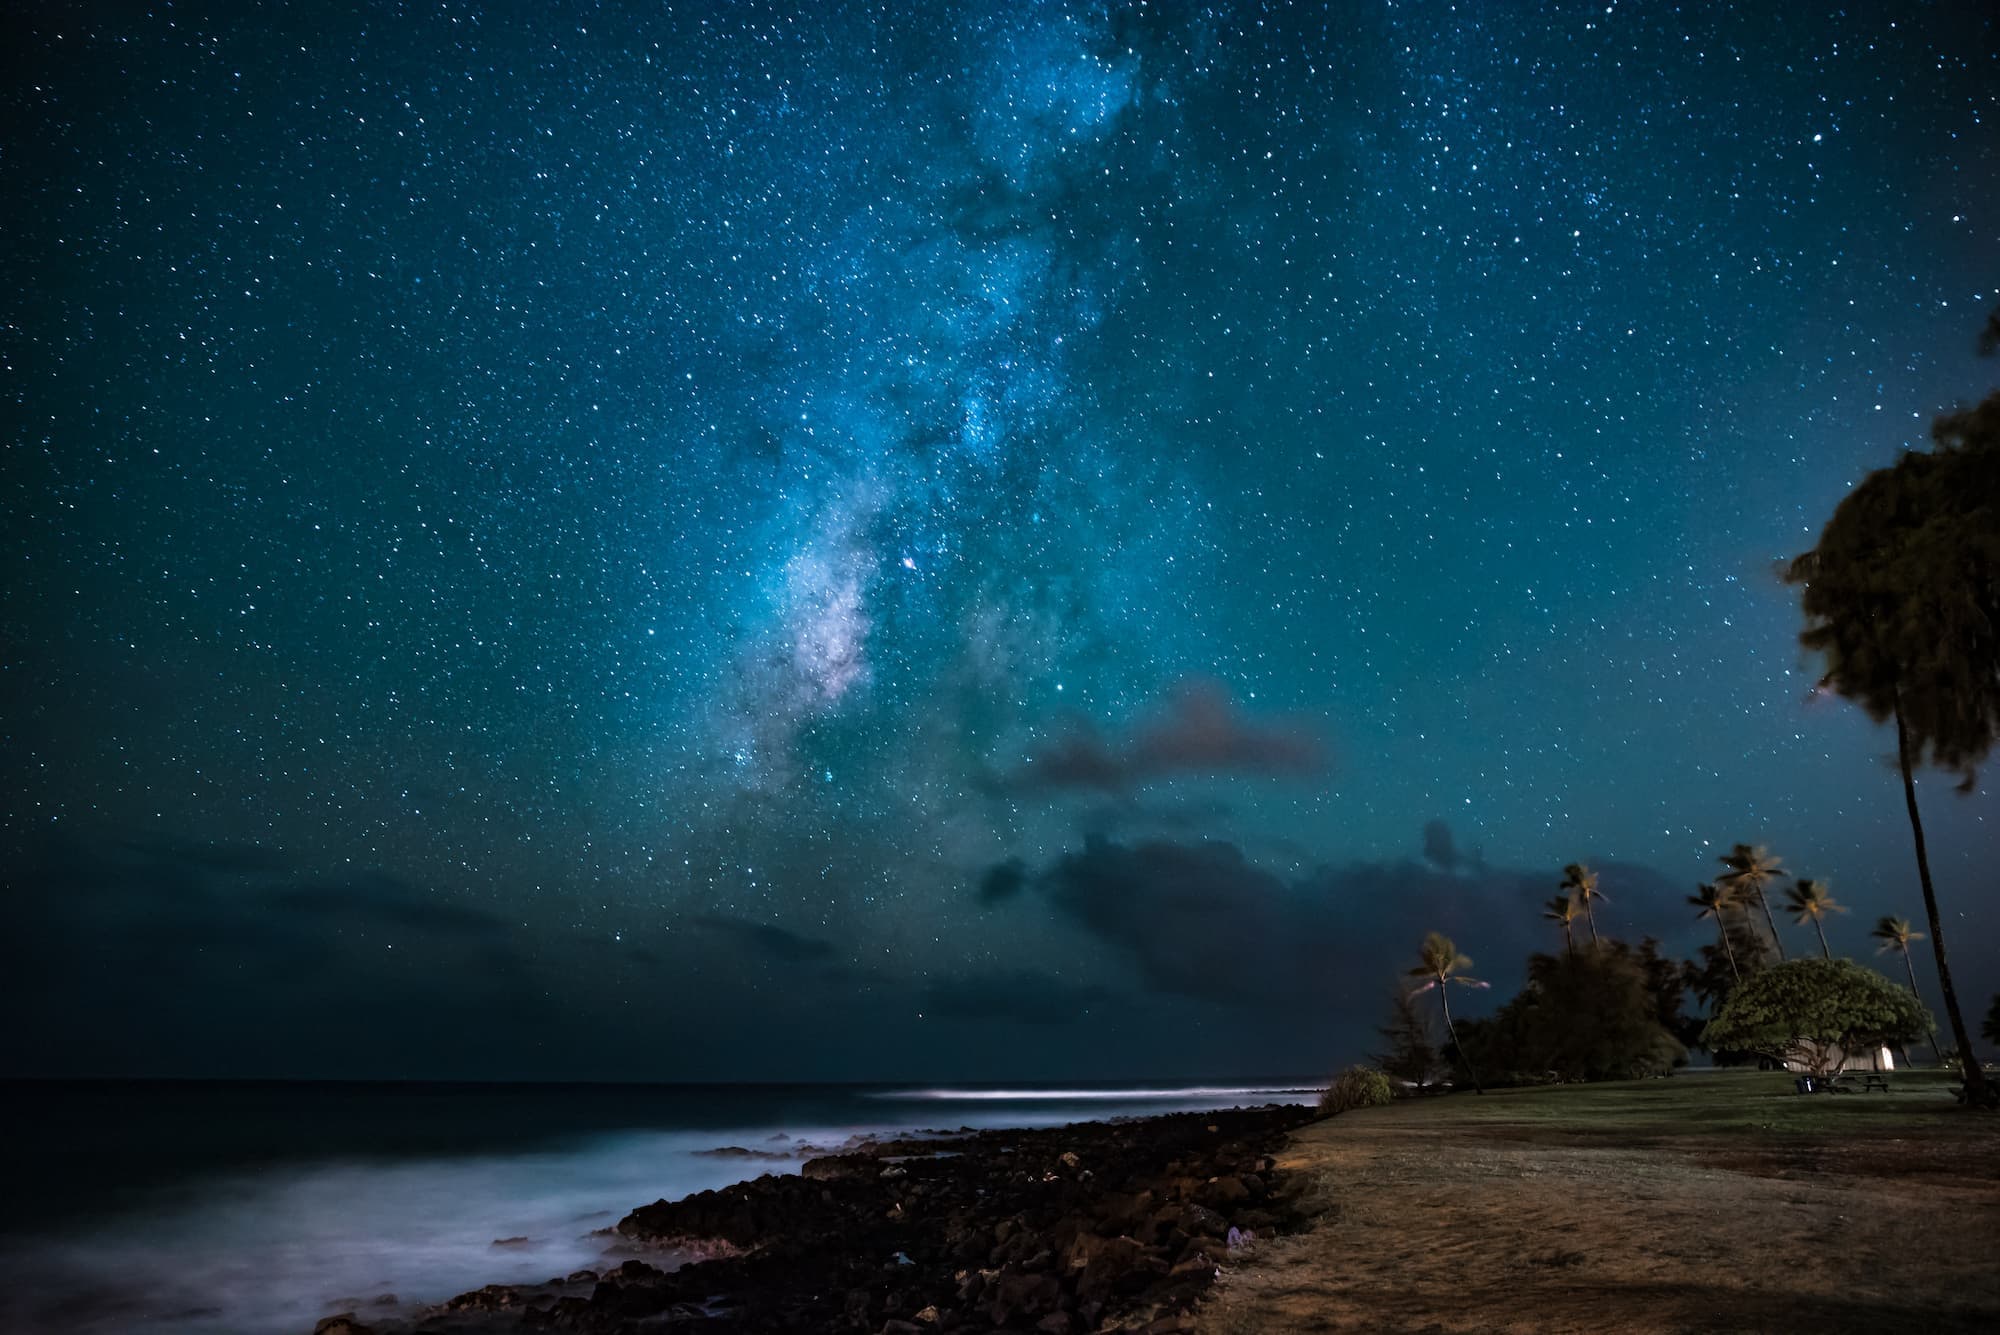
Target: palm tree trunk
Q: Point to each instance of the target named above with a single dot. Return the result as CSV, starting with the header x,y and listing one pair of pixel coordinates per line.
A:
x,y
1911,970
1569,942
1590,912
1722,930
1976,1093
1820,927
1771,922
1452,1029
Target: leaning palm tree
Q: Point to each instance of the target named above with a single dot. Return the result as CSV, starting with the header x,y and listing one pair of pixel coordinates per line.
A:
x,y
1440,965
1581,884
1810,899
1746,871
1902,602
1714,901
1896,934
1565,911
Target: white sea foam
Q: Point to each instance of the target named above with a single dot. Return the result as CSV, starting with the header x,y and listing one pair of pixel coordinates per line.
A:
x,y
275,1249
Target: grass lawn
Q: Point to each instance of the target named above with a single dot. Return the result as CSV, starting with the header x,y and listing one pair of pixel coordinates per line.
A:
x,y
1706,1202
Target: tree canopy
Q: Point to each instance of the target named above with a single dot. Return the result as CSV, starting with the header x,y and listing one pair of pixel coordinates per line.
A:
x,y
1902,594
1602,1012
1815,1011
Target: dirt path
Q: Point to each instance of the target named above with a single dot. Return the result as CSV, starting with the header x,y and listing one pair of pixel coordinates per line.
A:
x,y
1437,1222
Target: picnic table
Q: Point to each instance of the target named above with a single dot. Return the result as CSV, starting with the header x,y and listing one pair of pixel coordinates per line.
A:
x,y
1860,1082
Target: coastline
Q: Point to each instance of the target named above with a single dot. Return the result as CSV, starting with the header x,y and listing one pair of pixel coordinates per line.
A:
x,y
1108,1225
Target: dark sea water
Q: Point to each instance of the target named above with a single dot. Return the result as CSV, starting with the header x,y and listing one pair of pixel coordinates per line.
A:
x,y
157,1209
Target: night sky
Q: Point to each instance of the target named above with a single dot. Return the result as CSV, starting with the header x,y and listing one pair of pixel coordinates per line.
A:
x,y
1026,540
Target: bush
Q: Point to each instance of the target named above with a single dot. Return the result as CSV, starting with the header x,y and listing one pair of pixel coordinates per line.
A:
x,y
1356,1087
1595,1013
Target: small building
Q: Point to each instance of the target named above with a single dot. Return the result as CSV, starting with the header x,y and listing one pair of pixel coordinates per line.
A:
x,y
1875,1058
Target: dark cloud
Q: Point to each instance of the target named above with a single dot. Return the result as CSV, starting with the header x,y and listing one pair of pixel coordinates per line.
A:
x,y
766,939
156,955
1441,849
1201,920
196,857
1003,880
1027,996
1200,731
386,901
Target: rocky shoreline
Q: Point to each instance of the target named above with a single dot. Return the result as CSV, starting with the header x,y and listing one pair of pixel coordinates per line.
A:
x,y
1091,1227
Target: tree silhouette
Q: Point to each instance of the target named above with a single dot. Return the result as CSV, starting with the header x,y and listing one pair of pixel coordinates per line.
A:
x,y
1810,899
1746,871
1439,962
1896,934
1714,901
1816,1013
1563,909
1580,882
1902,601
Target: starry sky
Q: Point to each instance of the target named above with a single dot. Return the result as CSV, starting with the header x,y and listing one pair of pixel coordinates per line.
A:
x,y
1026,540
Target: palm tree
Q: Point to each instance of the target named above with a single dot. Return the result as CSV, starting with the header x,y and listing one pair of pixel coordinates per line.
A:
x,y
1747,871
1896,934
1581,883
1808,898
1440,964
1562,909
1902,600
1714,901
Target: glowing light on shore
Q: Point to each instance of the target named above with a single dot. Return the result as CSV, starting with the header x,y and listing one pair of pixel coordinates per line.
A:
x,y
1267,1092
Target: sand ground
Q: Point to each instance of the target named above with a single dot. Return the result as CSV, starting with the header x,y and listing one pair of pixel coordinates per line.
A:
x,y
1707,1202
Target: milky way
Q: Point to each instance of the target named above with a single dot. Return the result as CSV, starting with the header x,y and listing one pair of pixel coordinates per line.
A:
x,y
560,519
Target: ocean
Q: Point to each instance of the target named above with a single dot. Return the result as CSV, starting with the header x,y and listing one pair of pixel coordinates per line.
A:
x,y
227,1209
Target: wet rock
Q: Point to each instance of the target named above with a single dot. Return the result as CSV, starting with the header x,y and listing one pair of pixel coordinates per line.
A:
x,y
342,1324
995,1228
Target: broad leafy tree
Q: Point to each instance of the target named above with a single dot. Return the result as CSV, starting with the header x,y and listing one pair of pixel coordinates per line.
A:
x,y
1815,1012
1902,602
1607,1012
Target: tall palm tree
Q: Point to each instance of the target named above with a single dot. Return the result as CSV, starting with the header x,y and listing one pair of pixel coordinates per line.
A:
x,y
1440,965
1564,910
1808,898
1896,934
1714,901
1902,601
1746,871
1581,884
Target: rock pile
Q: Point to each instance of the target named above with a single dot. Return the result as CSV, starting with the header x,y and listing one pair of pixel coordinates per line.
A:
x,y
1097,1226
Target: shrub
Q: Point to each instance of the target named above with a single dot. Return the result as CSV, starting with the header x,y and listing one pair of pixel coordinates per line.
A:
x,y
1356,1087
